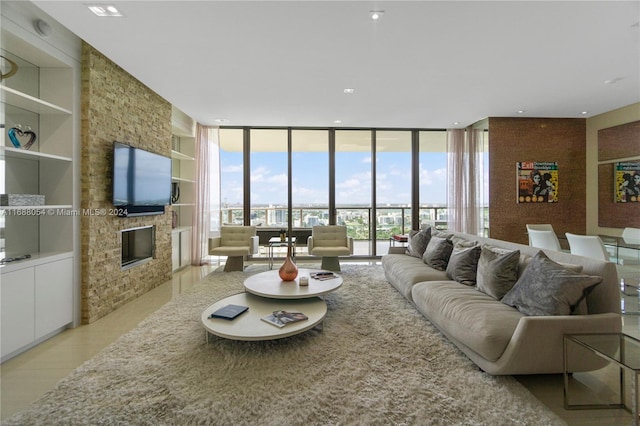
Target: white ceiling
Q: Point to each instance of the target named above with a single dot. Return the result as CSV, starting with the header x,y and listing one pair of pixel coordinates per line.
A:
x,y
425,64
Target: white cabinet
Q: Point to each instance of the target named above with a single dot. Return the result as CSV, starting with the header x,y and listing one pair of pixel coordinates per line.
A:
x,y
53,296
181,247
17,294
36,301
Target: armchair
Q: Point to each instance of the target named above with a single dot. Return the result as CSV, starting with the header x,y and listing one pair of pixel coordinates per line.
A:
x,y
329,242
235,242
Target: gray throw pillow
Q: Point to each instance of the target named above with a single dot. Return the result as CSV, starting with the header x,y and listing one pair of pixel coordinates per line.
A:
x,y
437,253
548,288
417,242
497,270
463,262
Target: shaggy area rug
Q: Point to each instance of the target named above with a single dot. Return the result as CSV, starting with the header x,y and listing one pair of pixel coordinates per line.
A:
x,y
377,361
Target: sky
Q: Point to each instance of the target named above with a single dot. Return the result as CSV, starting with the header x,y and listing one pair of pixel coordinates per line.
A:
x,y
353,178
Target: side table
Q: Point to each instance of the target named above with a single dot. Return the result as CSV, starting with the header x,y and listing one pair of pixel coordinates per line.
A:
x,y
617,348
401,239
277,242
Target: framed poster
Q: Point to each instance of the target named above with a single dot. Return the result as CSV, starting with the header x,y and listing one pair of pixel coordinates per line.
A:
x,y
627,182
537,182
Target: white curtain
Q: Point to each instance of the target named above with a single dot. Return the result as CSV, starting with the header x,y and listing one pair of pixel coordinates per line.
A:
x,y
206,143
465,192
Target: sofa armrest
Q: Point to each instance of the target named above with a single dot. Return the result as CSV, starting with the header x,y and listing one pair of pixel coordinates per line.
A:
x,y
536,344
309,244
214,242
397,250
253,247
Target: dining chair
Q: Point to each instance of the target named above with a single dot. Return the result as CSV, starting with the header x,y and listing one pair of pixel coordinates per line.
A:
x,y
631,235
587,246
544,239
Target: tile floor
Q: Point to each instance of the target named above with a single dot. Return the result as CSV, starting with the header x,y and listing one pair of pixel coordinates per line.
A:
x,y
28,376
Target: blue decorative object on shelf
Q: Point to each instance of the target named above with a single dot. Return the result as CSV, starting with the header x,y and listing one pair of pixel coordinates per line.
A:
x,y
13,137
16,131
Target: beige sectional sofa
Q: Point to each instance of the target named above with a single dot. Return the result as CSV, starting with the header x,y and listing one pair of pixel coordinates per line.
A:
x,y
495,336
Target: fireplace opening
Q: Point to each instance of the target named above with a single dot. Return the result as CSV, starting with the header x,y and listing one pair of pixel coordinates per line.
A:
x,y
137,246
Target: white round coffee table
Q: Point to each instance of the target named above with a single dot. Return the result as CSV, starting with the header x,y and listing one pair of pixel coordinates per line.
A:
x,y
269,284
250,326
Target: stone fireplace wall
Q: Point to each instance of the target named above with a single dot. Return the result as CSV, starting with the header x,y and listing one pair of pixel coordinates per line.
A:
x,y
116,106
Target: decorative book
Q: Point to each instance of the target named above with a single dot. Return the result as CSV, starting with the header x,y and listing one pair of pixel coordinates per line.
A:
x,y
229,312
282,318
324,275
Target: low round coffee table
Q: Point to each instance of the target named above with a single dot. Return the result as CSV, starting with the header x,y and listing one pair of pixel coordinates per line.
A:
x,y
269,284
250,326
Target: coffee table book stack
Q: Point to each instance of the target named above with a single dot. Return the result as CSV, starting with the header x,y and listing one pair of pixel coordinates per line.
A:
x,y
266,293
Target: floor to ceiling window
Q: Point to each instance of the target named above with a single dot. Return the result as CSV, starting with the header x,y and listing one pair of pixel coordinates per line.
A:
x,y
433,178
393,184
231,177
361,178
269,177
353,183
310,178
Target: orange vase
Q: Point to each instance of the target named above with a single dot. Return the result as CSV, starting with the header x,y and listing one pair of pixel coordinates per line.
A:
x,y
288,271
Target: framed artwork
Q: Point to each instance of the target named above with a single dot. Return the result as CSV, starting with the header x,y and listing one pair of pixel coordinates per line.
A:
x,y
537,182
627,182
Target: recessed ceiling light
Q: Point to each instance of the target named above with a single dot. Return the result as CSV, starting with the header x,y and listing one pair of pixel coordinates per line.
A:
x,y
349,91
376,14
337,121
221,120
521,111
584,112
105,10
455,123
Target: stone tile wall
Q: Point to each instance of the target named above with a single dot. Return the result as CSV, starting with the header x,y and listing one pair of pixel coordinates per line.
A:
x,y
116,106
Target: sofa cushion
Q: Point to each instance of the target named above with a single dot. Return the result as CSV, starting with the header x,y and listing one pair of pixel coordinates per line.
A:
x,y
477,320
438,252
404,271
417,242
497,270
463,263
548,288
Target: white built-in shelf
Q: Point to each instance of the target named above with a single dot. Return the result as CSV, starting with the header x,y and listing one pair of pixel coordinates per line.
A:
x,y
22,100
32,155
179,179
180,156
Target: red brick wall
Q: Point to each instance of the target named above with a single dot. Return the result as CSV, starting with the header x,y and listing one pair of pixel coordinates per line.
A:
x,y
616,143
536,139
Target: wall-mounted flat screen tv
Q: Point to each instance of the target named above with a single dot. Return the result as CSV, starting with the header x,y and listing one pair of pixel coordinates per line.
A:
x,y
141,181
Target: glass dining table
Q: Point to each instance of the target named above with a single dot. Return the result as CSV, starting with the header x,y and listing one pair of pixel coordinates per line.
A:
x,y
621,247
